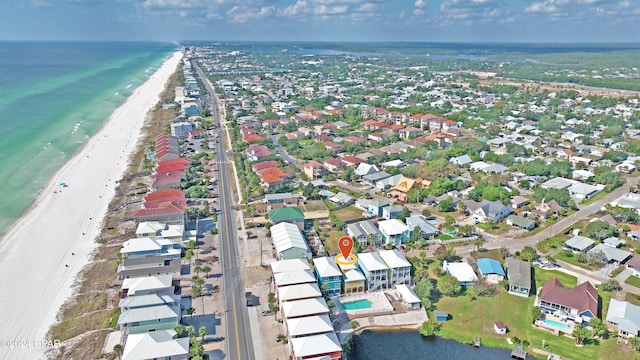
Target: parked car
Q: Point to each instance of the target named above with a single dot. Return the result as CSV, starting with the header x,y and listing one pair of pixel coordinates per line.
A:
x,y
267,312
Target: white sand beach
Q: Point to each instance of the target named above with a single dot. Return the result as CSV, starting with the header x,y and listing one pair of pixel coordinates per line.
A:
x,y
43,252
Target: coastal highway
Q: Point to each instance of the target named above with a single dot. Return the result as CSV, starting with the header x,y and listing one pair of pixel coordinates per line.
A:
x,y
238,330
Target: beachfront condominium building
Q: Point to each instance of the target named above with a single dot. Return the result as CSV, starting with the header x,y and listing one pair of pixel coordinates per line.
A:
x,y
181,129
142,314
161,344
399,267
328,275
374,270
149,256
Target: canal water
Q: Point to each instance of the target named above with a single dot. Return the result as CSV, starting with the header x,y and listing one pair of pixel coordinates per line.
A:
x,y
410,345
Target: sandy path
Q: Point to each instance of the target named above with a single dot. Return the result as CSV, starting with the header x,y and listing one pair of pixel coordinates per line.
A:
x,y
37,265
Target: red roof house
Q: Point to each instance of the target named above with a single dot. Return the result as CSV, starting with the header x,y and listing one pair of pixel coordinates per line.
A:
x,y
580,301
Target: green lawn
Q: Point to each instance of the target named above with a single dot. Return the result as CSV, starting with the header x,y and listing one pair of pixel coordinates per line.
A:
x,y
331,243
551,243
542,276
348,213
633,281
569,257
471,319
492,254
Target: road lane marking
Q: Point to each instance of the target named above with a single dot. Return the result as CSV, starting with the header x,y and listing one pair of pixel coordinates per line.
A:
x,y
235,321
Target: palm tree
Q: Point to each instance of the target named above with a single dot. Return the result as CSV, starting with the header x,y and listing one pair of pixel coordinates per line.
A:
x,y
206,269
191,331
118,349
197,269
189,255
202,331
179,329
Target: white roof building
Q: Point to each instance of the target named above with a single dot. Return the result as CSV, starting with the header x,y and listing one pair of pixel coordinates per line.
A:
x,y
394,259
304,347
289,265
156,345
298,292
289,242
306,307
148,285
408,295
461,271
294,278
310,325
326,267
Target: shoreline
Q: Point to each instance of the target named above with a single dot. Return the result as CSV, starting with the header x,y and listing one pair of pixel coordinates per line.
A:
x,y
43,252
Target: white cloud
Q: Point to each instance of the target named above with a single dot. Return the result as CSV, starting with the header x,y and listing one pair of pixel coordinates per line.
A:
x,y
243,14
420,3
546,6
300,7
418,12
330,10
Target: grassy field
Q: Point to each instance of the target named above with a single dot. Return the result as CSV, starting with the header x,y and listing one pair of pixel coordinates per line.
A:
x,y
331,243
315,205
471,319
568,256
633,281
492,254
348,213
551,243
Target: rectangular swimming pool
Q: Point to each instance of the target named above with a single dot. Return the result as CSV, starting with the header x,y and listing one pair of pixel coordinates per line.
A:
x,y
357,305
557,325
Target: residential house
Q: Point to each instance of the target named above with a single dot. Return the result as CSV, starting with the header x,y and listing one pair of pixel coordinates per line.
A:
x,y
427,230
461,160
491,270
376,206
624,318
390,212
579,244
406,294
579,304
342,199
291,278
490,210
154,284
521,222
518,202
149,256
289,215
461,271
170,212
399,267
365,233
609,254
314,170
153,313
328,275
289,265
353,280
306,307
394,231
634,264
307,326
323,346
161,344
519,275
365,169
298,292
333,165
584,191
174,233
288,241
375,271
372,179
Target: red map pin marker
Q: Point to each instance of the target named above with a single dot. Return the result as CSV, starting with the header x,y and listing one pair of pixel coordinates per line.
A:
x,y
346,245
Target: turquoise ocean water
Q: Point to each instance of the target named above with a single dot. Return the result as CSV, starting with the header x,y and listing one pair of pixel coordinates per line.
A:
x,y
53,97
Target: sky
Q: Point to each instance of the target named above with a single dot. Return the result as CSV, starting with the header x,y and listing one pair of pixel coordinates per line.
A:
x,y
591,21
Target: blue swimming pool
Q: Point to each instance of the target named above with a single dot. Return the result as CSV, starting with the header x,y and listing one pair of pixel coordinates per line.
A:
x,y
357,305
557,325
